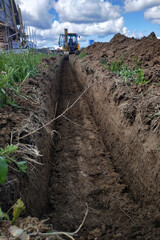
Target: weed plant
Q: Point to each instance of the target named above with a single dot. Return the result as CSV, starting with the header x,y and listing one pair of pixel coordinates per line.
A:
x,y
82,54
6,158
128,74
14,70
18,207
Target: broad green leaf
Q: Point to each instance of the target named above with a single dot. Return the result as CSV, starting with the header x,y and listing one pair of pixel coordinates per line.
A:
x,y
3,170
3,215
18,207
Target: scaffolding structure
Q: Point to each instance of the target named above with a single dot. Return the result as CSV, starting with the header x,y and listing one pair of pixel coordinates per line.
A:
x,y
12,29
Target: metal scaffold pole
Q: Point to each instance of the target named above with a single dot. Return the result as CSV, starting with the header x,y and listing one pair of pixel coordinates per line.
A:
x,y
14,19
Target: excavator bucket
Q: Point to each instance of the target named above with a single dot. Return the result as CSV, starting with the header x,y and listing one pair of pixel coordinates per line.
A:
x,y
66,55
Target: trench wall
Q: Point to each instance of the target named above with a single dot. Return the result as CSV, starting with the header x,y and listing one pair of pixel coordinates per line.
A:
x,y
33,186
131,141
35,193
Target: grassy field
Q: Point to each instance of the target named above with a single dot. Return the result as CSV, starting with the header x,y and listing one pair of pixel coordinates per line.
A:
x,y
14,70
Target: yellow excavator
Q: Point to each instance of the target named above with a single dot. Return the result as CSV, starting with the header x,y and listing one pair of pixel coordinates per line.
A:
x,y
69,43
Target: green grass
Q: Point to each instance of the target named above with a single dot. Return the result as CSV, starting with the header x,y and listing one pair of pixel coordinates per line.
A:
x,y
82,54
14,70
128,74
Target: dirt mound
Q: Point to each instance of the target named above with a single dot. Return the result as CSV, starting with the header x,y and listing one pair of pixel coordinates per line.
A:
x,y
128,115
143,52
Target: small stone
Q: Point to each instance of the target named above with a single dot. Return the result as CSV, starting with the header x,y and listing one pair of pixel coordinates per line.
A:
x,y
140,238
103,227
96,233
117,236
81,238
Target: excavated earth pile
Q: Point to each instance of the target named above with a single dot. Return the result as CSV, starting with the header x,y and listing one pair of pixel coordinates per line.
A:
x,y
145,52
128,115
102,153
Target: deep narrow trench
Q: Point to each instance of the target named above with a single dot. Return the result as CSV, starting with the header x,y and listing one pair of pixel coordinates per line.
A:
x,y
82,172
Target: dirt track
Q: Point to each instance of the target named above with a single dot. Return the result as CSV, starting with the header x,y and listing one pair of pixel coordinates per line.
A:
x,y
82,172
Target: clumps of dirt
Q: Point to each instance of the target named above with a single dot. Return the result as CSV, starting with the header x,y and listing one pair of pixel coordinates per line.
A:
x,y
84,170
128,115
150,113
36,105
28,225
144,52
129,112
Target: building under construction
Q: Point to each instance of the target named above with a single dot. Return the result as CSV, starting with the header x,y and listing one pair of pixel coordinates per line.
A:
x,y
12,32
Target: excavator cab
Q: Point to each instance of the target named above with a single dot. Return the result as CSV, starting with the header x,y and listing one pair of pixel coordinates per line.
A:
x,y
69,43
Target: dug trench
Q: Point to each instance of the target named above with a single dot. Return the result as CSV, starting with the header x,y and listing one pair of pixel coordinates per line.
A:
x,y
83,173
82,169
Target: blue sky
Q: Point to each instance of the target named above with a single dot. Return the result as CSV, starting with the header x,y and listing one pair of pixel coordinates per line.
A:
x,y
91,19
135,21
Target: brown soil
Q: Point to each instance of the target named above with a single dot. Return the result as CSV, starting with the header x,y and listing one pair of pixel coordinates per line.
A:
x,y
105,151
83,173
128,118
37,108
143,52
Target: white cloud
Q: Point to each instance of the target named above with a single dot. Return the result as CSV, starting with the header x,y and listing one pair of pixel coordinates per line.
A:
x,y
86,11
82,39
85,17
153,14
137,5
102,28
125,31
35,12
134,34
